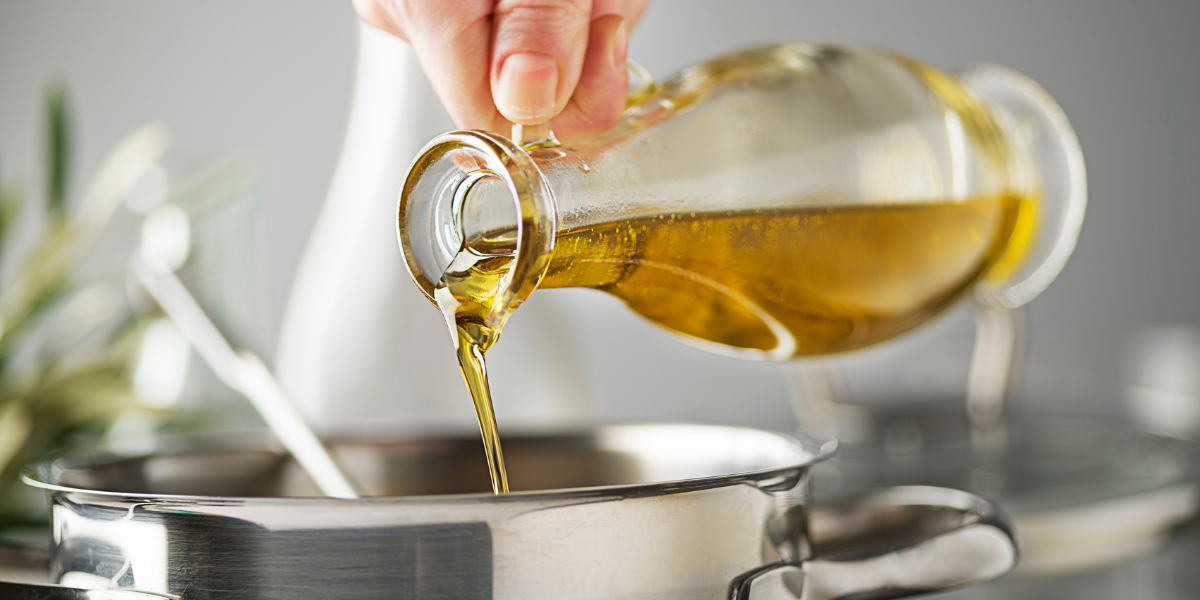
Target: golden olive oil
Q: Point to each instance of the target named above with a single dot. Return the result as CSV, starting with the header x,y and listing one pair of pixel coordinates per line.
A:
x,y
465,296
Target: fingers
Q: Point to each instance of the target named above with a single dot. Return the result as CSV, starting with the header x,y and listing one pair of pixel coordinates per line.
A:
x,y
453,42
630,9
538,49
599,98
525,61
375,13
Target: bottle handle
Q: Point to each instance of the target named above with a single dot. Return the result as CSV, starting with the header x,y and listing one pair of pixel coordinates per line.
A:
x,y
894,543
1038,123
644,87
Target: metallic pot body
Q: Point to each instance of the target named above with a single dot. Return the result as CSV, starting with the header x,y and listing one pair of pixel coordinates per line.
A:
x,y
646,512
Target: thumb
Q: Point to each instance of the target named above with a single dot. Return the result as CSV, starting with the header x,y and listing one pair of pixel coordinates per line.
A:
x,y
538,48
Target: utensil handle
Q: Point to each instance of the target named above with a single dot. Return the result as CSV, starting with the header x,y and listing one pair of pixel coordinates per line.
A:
x,y
29,591
893,543
246,373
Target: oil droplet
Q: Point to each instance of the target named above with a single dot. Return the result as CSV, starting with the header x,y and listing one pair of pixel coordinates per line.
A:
x,y
583,168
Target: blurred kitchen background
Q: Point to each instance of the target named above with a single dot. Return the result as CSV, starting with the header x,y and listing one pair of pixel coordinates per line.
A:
x,y
275,80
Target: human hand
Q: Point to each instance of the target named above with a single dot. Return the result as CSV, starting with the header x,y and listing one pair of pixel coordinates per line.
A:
x,y
498,62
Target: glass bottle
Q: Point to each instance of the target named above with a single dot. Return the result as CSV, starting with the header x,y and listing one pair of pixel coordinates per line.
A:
x,y
792,200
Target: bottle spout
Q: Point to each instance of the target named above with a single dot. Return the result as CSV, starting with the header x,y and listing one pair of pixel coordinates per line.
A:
x,y
473,191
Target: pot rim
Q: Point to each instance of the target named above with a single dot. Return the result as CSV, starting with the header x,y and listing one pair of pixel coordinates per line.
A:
x,y
47,474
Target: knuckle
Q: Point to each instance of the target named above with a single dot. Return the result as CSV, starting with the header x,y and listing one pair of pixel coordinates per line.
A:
x,y
541,15
448,22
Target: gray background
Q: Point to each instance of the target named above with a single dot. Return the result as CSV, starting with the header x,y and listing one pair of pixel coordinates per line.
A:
x,y
273,78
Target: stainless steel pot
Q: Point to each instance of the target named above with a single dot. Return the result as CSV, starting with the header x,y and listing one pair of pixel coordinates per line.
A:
x,y
645,512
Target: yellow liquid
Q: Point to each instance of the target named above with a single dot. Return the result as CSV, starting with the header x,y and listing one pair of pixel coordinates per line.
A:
x,y
773,284
465,295
795,282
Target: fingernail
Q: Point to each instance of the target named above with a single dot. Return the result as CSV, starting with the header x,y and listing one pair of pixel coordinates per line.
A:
x,y
620,45
526,86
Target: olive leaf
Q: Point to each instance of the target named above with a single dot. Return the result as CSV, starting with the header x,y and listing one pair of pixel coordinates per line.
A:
x,y
58,147
206,189
15,427
10,209
85,393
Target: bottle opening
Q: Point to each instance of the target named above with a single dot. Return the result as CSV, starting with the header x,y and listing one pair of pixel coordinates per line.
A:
x,y
485,218
478,192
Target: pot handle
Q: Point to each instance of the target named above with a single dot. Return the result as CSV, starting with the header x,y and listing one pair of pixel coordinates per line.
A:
x,y
893,543
29,591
